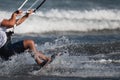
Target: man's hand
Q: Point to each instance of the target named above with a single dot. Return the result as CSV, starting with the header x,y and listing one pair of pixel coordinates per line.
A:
x,y
18,12
29,13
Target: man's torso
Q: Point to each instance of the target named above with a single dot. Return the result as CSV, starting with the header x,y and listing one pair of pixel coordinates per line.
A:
x,y
3,37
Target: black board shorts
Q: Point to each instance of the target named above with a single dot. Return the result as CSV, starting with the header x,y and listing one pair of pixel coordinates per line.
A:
x,y
10,49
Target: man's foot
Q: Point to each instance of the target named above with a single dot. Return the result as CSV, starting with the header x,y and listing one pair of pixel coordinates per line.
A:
x,y
45,62
49,59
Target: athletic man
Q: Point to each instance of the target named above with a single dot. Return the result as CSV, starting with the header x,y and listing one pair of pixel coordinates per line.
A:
x,y
8,49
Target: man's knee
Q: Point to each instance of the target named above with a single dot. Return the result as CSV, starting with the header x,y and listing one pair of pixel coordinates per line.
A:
x,y
28,43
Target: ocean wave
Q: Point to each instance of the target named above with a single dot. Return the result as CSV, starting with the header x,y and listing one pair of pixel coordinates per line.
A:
x,y
68,20
78,14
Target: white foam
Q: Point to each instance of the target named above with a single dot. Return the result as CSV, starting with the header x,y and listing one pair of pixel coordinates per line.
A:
x,y
68,20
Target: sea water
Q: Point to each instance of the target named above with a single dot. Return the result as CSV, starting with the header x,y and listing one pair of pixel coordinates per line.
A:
x,y
85,31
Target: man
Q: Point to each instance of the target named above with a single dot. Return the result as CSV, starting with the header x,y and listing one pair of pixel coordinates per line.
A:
x,y
8,49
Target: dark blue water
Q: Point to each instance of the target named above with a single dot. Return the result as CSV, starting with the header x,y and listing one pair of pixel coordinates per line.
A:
x,y
83,56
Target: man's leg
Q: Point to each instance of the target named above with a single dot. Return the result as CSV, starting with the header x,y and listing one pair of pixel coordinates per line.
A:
x,y
29,44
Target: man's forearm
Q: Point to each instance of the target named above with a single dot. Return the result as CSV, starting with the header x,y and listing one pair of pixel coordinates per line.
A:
x,y
21,20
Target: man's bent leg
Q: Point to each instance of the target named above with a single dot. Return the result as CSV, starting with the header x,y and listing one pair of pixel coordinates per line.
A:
x,y
29,44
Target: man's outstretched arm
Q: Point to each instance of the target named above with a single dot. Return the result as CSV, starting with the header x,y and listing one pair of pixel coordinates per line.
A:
x,y
9,23
21,20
